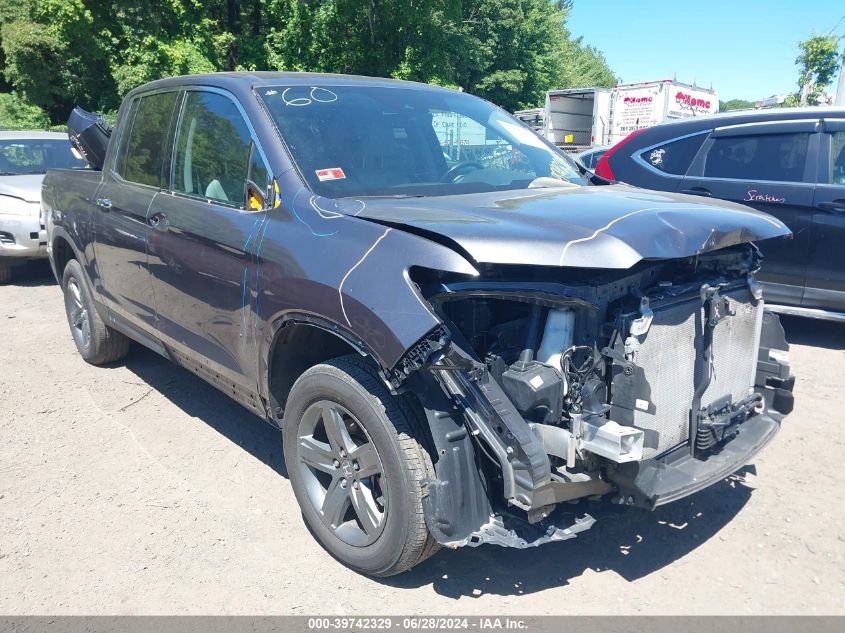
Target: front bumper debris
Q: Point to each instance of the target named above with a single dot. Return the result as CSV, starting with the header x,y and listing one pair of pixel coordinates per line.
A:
x,y
512,532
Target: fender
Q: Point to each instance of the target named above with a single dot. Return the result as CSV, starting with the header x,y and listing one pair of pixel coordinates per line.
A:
x,y
314,259
70,219
88,263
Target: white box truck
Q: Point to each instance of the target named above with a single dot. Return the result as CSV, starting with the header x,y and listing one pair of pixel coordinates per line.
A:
x,y
579,118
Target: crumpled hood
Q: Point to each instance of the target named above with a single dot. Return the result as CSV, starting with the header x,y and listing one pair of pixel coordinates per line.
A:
x,y
26,187
613,226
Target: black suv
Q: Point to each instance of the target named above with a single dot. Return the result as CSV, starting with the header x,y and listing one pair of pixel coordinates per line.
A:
x,y
789,163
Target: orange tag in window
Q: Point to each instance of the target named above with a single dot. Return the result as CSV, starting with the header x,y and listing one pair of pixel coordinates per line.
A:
x,y
333,173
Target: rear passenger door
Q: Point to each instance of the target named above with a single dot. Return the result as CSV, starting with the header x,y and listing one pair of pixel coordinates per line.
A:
x,y
130,183
202,240
772,168
826,269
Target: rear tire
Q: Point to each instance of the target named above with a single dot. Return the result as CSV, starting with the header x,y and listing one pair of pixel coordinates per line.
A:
x,y
96,342
357,463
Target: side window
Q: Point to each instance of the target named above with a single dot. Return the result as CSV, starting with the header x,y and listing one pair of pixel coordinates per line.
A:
x,y
257,169
777,157
674,157
145,142
126,129
212,150
837,158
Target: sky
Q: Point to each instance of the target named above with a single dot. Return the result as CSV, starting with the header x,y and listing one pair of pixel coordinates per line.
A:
x,y
745,48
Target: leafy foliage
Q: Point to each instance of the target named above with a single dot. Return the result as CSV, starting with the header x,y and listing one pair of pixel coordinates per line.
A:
x,y
735,104
818,62
17,113
59,53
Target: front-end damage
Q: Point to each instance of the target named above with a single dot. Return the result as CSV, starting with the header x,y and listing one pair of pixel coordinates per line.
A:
x,y
549,385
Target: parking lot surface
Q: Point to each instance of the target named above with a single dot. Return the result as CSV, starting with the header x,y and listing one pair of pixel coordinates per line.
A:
x,y
139,489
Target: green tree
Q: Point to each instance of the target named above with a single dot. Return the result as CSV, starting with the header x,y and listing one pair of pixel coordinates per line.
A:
x,y
10,11
55,58
17,113
735,104
585,66
508,51
59,53
818,62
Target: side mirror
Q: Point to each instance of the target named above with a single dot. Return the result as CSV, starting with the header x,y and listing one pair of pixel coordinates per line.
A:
x,y
255,197
261,198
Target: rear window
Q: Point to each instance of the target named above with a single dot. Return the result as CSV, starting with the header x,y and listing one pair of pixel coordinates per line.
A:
x,y
776,157
675,156
145,141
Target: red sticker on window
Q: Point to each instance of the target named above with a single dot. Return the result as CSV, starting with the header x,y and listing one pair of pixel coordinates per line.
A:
x,y
335,173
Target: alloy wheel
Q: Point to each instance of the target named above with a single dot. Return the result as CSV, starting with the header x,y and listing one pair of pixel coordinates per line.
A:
x,y
78,315
342,473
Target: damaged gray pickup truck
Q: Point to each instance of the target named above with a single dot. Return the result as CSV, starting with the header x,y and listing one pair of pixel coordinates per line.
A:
x,y
457,330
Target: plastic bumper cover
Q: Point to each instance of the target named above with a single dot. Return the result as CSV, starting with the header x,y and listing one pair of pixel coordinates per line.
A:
x,y
22,236
654,482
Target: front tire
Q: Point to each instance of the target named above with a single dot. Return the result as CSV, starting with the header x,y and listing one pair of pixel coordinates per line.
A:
x,y
357,463
96,342
5,273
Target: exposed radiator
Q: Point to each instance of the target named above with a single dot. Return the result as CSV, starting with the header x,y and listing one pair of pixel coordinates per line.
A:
x,y
735,344
668,354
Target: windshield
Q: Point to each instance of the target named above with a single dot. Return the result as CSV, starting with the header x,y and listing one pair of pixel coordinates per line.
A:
x,y
36,156
387,141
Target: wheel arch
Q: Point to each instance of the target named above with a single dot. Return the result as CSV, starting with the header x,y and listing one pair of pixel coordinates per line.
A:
x,y
298,341
61,252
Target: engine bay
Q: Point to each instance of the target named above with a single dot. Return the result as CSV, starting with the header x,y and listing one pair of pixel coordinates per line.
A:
x,y
586,359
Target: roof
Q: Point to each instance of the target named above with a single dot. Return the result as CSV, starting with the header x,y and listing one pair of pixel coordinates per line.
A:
x,y
31,134
254,79
754,116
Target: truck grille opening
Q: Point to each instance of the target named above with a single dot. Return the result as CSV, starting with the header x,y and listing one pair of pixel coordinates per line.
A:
x,y
668,355
6,238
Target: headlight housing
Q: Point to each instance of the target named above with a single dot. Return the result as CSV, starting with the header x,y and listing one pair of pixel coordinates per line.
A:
x,y
10,205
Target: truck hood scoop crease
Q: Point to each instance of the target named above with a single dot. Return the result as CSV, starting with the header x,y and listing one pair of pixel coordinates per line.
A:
x,y
584,227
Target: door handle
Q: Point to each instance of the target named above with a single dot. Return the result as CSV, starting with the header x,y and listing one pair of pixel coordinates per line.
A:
x,y
697,191
103,203
159,222
837,206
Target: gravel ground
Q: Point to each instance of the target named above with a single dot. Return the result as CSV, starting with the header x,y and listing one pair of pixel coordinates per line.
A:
x,y
139,489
